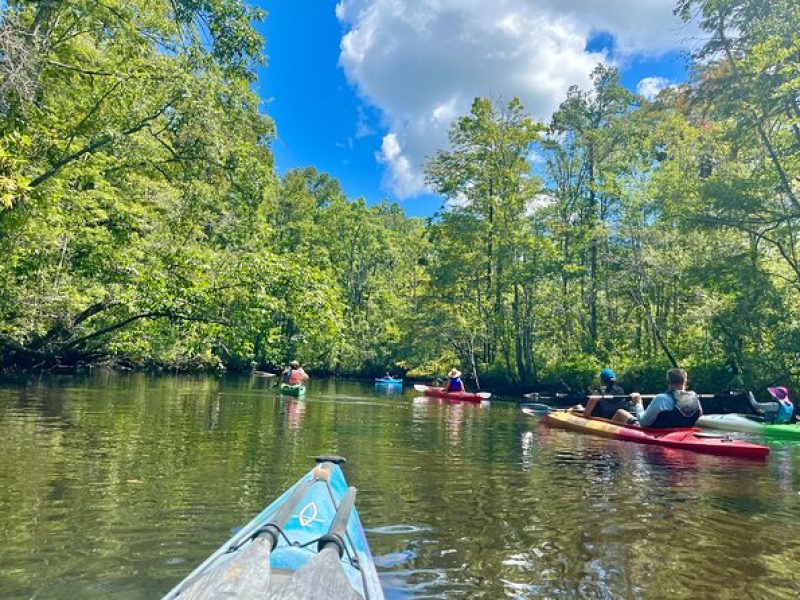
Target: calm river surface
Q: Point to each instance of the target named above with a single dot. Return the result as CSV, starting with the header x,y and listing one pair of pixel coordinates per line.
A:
x,y
117,486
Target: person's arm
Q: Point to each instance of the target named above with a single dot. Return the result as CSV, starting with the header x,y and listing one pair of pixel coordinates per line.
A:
x,y
305,375
593,400
646,416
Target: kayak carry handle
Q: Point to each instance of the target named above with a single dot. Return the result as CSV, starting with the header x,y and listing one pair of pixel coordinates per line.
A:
x,y
338,529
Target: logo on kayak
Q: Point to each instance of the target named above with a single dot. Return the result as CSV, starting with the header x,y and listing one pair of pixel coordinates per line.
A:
x,y
308,514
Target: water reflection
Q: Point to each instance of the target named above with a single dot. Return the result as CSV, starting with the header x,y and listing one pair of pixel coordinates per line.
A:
x,y
119,485
293,412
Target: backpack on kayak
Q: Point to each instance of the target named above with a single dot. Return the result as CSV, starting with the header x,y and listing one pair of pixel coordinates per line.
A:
x,y
686,401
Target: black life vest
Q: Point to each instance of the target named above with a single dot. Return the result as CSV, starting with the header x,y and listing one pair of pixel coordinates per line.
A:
x,y
684,414
606,408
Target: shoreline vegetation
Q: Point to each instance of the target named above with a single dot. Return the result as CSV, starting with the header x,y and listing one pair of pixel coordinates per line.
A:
x,y
143,224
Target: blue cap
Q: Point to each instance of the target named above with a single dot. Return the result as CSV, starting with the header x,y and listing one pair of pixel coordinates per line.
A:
x,y
607,375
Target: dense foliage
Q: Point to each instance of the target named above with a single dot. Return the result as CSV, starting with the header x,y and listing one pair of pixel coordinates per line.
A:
x,y
141,219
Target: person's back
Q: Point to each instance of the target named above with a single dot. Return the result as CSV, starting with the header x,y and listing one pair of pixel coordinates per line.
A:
x,y
677,407
784,409
454,383
294,375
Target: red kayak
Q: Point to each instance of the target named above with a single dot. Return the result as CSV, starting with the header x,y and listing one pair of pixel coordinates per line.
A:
x,y
689,438
440,392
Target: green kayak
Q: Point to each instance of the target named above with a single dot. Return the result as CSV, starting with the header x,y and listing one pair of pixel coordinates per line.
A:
x,y
749,424
293,390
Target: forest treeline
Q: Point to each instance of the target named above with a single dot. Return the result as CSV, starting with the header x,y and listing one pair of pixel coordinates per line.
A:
x,y
142,221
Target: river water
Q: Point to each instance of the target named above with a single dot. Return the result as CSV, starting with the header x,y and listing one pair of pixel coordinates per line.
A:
x,y
117,486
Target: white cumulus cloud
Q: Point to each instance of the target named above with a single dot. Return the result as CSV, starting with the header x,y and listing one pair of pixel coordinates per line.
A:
x,y
649,87
422,62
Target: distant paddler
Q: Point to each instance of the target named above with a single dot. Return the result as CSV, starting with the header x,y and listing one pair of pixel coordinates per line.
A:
x,y
786,409
294,374
454,383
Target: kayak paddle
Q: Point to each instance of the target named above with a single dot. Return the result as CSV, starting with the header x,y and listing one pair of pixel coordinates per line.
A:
x,y
536,410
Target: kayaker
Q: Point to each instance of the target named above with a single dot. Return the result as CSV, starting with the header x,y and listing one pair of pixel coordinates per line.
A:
x,y
454,383
677,407
616,409
294,375
786,407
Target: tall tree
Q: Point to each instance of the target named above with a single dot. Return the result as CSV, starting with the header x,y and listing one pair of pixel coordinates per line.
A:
x,y
487,180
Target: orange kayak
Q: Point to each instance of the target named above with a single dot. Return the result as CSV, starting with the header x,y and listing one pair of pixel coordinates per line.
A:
x,y
690,438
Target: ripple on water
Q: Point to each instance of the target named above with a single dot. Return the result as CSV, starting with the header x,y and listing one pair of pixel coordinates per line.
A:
x,y
396,529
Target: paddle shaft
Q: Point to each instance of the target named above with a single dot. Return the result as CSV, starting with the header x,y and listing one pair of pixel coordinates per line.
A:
x,y
607,396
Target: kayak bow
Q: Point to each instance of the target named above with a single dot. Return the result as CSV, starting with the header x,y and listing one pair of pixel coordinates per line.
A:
x,y
309,543
688,438
750,424
440,392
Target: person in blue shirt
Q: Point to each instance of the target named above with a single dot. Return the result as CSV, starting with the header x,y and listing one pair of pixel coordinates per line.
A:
x,y
785,413
454,383
677,407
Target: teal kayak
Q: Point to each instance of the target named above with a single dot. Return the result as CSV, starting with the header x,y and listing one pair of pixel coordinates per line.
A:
x,y
293,390
389,381
309,543
749,424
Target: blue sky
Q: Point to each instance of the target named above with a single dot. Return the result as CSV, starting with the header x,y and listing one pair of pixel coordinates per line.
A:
x,y
366,89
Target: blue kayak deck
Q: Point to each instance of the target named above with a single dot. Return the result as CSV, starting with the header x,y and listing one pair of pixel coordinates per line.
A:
x,y
297,546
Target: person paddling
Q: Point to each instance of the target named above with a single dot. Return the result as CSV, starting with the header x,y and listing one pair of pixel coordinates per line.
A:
x,y
786,407
454,383
294,375
616,408
677,407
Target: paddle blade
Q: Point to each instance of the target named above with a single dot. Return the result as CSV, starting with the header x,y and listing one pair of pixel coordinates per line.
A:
x,y
420,388
484,395
536,410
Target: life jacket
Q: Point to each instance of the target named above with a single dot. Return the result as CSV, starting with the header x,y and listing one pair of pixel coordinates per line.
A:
x,y
684,414
455,385
606,408
785,411
294,377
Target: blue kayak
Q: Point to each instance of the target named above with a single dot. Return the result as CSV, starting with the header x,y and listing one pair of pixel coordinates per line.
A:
x,y
388,381
309,543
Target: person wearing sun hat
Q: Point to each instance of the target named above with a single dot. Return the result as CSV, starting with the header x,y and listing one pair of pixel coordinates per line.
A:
x,y
786,407
454,383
